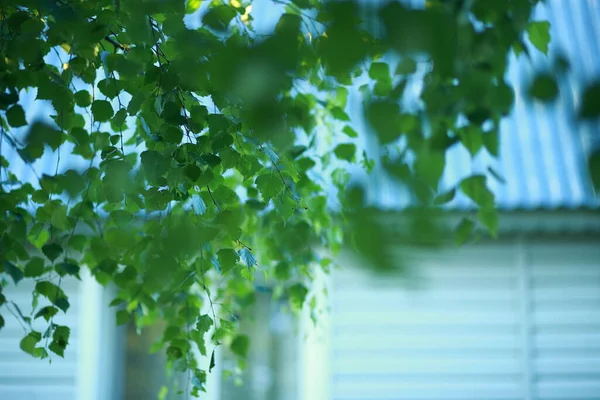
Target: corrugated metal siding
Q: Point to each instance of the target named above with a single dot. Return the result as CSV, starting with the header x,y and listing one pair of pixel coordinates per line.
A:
x,y
542,149
22,376
462,327
566,315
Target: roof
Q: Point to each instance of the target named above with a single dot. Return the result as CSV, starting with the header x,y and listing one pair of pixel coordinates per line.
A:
x,y
543,150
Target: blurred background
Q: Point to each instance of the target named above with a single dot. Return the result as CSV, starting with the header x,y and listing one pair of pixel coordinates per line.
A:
x,y
517,317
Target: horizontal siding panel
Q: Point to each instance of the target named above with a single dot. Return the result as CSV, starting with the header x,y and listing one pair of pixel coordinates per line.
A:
x,y
457,330
38,369
568,341
561,317
24,377
568,390
385,364
428,318
356,342
567,365
444,390
590,293
438,296
36,392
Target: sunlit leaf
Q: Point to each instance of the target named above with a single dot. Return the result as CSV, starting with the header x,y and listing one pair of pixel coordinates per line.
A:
x,y
539,35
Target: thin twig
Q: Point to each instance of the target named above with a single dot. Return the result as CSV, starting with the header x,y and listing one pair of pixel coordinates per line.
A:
x,y
213,198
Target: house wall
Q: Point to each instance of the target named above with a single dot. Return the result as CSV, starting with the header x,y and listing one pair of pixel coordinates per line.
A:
x,y
22,376
514,319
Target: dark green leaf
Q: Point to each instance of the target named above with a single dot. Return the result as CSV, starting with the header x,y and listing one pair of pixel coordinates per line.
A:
x,y
83,98
212,360
34,268
590,102
52,251
15,272
379,71
102,110
16,116
544,88
345,151
67,268
594,169
53,293
219,17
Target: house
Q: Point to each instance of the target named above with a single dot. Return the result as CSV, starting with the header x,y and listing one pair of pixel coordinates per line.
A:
x,y
512,318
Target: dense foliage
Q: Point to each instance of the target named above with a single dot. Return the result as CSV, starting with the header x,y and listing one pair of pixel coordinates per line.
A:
x,y
209,147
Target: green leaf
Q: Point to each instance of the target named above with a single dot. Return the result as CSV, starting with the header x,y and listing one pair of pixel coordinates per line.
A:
x,y
16,116
472,138
464,230
543,88
34,267
102,110
212,361
475,187
46,312
67,268
350,132
594,169
204,323
83,98
122,317
539,35
191,6
240,345
445,198
298,293
29,342
60,340
382,116
15,272
379,71
228,259
345,151
590,102
53,293
339,114
406,66
489,219
429,166
219,17
52,251
39,135
269,185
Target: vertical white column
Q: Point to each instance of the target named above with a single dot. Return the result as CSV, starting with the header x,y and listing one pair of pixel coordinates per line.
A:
x,y
88,353
315,347
524,273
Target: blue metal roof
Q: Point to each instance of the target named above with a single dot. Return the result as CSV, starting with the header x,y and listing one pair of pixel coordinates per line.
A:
x,y
542,148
